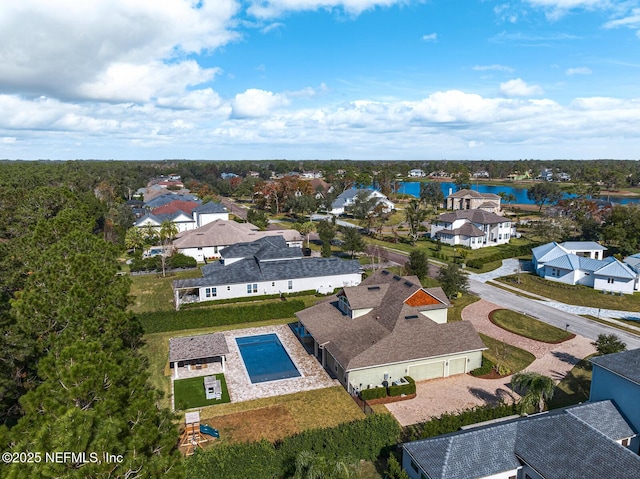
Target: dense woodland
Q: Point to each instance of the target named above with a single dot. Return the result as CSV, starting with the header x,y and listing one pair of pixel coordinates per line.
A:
x,y
71,377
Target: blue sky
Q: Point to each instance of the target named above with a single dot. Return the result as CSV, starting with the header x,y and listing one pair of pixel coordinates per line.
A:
x,y
320,79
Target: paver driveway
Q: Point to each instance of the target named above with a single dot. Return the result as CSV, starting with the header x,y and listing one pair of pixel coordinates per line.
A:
x,y
455,393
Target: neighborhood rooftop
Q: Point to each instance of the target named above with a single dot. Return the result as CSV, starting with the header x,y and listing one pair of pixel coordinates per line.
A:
x,y
197,347
625,364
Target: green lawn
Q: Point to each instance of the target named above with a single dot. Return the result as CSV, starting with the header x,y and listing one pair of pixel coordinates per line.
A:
x,y
528,327
189,393
574,387
152,292
455,313
501,353
570,294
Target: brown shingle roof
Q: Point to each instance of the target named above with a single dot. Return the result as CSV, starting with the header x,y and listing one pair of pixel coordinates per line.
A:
x,y
392,332
197,347
476,216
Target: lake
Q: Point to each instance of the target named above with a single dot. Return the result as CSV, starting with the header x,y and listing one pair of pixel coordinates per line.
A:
x,y
413,188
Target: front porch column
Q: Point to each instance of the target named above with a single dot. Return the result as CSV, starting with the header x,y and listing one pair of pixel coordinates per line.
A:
x,y
175,370
222,363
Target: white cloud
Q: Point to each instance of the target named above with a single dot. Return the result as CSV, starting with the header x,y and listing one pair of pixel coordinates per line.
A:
x,y
494,67
257,103
275,8
579,71
67,48
431,37
631,20
555,9
518,87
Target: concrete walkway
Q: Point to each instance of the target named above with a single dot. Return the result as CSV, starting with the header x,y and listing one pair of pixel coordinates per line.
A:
x,y
509,266
455,393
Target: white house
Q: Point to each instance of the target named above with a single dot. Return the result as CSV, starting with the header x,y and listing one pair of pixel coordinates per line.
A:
x,y
472,228
387,328
582,262
264,267
473,200
417,173
347,199
206,242
186,215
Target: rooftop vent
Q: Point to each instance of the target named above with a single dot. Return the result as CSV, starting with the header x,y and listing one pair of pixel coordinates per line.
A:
x,y
408,283
412,316
373,288
385,272
396,277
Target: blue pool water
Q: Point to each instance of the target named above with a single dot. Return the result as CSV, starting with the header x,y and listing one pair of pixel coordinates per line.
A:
x,y
265,358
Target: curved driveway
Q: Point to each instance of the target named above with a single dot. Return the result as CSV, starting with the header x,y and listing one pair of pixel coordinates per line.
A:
x,y
455,393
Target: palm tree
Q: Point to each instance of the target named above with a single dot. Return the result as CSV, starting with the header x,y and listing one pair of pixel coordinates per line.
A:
x,y
414,216
538,390
168,231
134,238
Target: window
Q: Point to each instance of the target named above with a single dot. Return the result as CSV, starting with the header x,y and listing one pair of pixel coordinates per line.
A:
x,y
414,466
273,283
252,288
211,292
625,442
611,280
228,288
290,284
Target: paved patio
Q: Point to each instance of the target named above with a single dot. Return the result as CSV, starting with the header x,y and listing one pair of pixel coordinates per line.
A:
x,y
453,394
313,376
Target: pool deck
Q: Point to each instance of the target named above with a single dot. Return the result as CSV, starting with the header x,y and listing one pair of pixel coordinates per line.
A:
x,y
312,374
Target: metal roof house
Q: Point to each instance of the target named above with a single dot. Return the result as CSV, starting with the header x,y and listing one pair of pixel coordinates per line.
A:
x,y
264,267
386,328
582,262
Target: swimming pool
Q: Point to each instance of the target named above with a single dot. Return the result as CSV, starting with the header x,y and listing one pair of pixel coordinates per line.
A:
x,y
265,358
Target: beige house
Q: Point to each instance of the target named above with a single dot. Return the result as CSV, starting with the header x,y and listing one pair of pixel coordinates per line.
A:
x,y
386,328
473,200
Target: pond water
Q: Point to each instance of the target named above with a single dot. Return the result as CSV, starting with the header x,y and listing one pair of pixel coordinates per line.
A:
x,y
413,188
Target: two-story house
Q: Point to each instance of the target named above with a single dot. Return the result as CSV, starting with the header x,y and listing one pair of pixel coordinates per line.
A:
x,y
472,228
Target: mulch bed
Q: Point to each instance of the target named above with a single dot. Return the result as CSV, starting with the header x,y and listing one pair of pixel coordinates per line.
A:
x,y
390,399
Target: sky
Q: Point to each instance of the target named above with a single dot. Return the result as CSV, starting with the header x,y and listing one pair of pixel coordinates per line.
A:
x,y
320,79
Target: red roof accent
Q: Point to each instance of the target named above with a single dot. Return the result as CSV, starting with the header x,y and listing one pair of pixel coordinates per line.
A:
x,y
176,205
421,298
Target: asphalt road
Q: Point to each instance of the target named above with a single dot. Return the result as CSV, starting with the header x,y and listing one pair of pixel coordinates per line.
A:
x,y
576,324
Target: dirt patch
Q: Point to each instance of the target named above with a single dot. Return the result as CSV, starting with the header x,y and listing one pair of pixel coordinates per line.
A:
x,y
270,423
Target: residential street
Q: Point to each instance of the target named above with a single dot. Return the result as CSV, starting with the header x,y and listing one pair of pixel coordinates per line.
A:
x,y
577,324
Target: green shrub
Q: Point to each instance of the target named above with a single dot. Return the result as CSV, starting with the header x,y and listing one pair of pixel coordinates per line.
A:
x,y
399,390
486,367
161,321
179,260
373,393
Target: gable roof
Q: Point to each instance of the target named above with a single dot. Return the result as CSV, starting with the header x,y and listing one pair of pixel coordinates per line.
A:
x,y
576,442
251,271
465,193
583,246
165,198
475,216
625,364
226,232
548,252
372,339
268,247
616,269
178,205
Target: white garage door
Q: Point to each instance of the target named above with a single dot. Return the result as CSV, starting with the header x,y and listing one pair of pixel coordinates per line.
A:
x,y
427,371
457,366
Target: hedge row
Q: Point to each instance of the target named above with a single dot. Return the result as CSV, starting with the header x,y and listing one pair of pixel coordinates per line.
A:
x,y
366,439
504,253
486,368
161,321
447,423
393,390
251,299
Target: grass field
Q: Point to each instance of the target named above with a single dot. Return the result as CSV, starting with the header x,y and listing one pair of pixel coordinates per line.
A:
x,y
455,313
152,292
501,353
277,417
570,294
574,387
528,327
189,393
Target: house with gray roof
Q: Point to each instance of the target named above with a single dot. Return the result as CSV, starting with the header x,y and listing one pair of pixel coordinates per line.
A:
x,y
206,242
387,328
473,200
348,198
199,215
473,228
265,266
590,440
582,262
617,377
